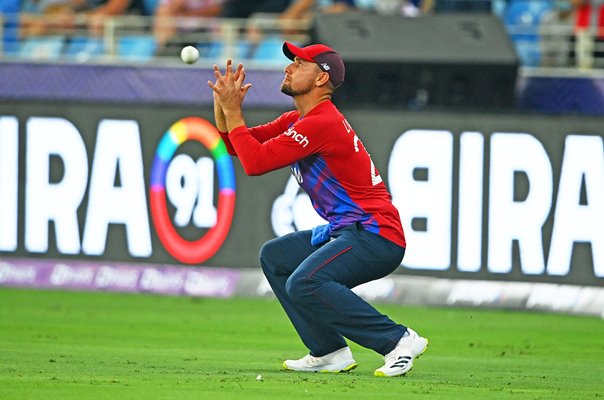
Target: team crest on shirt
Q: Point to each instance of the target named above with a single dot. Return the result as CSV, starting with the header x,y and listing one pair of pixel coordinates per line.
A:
x,y
298,137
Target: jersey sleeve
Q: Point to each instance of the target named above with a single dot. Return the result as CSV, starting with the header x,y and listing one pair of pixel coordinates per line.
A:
x,y
296,142
264,132
227,143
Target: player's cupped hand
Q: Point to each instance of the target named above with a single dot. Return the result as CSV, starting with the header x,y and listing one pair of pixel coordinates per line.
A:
x,y
230,87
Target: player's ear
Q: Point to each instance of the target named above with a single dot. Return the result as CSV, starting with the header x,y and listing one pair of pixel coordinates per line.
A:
x,y
322,79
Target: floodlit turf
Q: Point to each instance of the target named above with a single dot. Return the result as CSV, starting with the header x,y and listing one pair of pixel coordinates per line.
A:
x,y
68,345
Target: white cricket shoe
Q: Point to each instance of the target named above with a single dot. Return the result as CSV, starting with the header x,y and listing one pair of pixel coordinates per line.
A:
x,y
400,360
338,361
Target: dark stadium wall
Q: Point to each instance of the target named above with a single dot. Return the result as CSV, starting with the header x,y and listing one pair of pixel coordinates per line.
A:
x,y
482,196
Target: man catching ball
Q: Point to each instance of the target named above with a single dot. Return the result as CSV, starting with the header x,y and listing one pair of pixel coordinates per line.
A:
x,y
312,272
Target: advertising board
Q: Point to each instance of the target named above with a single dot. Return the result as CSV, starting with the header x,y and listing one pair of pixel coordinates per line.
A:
x,y
482,196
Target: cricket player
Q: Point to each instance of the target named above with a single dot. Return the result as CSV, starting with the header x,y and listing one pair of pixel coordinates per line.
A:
x,y
312,272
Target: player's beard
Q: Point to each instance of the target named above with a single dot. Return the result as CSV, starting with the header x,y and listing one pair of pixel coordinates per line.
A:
x,y
287,89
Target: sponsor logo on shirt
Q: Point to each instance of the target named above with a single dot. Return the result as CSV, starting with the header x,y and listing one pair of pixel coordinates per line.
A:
x,y
298,137
296,173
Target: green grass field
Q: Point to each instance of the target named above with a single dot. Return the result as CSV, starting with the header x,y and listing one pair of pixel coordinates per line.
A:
x,y
69,345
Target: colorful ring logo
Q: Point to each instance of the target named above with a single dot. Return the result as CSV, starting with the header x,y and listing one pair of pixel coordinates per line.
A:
x,y
192,128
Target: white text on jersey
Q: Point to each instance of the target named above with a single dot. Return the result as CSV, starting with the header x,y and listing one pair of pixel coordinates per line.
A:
x,y
298,137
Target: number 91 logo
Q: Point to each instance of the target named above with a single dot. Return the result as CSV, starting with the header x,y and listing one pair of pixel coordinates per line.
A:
x,y
179,180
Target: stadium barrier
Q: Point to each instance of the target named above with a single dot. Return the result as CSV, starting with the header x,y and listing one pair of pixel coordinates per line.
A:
x,y
560,67
134,39
539,41
114,192
249,282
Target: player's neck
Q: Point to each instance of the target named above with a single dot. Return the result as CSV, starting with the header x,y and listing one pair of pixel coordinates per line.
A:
x,y
307,102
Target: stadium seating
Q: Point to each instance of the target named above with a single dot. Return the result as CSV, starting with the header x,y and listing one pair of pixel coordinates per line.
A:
x,y
10,26
43,48
83,48
269,50
522,19
136,48
217,49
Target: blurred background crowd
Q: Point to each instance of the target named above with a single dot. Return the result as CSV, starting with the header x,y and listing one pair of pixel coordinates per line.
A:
x,y
545,33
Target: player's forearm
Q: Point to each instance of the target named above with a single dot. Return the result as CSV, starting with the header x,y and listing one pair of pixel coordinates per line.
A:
x,y
219,117
234,119
259,158
250,149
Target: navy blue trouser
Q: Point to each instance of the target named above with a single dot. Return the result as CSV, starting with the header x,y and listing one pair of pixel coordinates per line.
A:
x,y
313,284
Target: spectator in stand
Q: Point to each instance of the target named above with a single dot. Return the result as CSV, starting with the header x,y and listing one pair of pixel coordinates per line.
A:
x,y
561,29
556,34
590,23
305,9
112,8
96,17
166,24
246,8
42,17
404,8
443,6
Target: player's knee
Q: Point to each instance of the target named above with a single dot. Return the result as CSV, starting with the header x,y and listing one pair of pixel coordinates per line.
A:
x,y
299,288
292,288
268,257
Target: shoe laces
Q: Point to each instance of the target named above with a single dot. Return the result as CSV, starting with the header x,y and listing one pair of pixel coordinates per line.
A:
x,y
312,360
396,352
391,357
